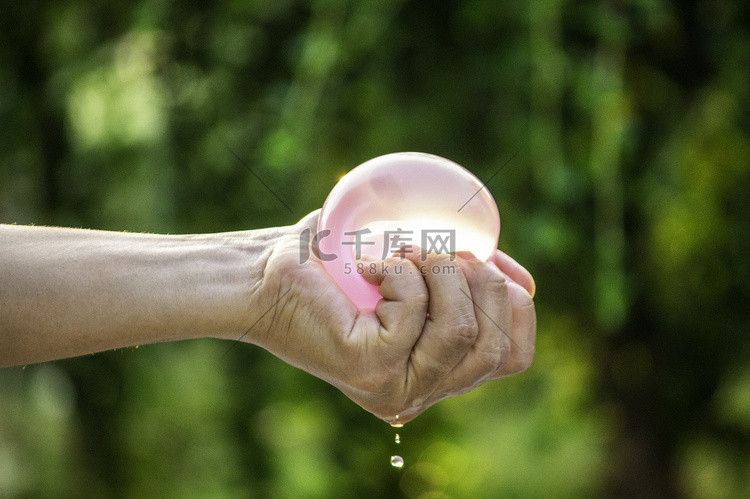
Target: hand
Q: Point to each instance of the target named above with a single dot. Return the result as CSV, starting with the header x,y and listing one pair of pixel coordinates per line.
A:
x,y
397,360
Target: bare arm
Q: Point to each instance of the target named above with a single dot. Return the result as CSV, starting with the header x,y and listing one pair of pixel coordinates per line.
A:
x,y
66,292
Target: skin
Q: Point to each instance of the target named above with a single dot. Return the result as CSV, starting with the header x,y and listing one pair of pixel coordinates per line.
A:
x,y
69,292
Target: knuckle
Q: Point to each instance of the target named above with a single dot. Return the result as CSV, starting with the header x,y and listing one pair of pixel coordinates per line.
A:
x,y
404,281
519,296
437,264
500,357
433,257
465,333
491,360
495,283
524,361
489,277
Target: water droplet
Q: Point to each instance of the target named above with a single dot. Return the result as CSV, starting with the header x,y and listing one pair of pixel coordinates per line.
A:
x,y
396,423
397,461
398,439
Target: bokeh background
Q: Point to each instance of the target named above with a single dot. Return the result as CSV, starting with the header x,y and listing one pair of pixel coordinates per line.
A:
x,y
628,200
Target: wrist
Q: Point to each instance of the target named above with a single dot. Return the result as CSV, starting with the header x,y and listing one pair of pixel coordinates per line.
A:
x,y
278,255
232,282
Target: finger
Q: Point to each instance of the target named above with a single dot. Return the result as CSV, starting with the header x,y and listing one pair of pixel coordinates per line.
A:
x,y
514,270
403,310
450,330
523,332
488,293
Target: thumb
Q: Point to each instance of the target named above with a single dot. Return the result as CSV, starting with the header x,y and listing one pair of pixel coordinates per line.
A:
x,y
403,310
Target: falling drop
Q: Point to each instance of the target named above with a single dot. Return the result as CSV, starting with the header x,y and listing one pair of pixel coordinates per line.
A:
x,y
397,461
398,439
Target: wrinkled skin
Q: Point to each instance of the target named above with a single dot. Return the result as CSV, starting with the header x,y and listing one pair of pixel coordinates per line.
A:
x,y
432,336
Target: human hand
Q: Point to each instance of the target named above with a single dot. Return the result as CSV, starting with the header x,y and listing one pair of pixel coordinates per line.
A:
x,y
397,360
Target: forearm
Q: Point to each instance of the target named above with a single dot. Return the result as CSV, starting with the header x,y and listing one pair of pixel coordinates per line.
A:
x,y
67,292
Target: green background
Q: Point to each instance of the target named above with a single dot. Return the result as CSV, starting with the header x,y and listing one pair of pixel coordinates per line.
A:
x,y
628,200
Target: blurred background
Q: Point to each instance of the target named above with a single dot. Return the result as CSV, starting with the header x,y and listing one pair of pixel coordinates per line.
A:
x,y
627,199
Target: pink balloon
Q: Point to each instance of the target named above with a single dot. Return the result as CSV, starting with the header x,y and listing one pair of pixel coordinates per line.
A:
x,y
396,200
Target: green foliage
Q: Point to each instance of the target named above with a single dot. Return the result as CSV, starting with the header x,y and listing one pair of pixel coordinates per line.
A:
x,y
628,201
